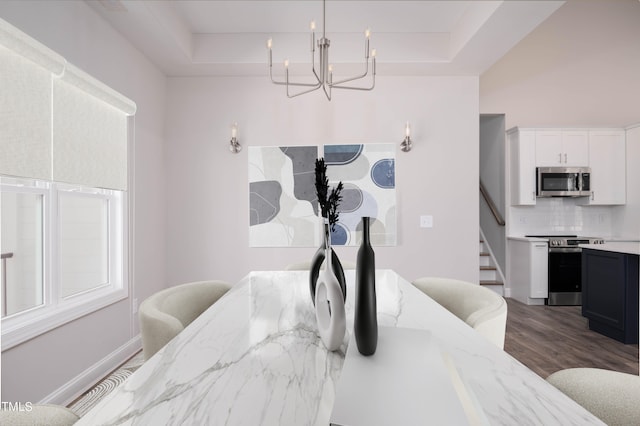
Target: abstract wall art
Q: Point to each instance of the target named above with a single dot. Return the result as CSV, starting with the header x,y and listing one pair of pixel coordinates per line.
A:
x,y
283,209
368,174
282,197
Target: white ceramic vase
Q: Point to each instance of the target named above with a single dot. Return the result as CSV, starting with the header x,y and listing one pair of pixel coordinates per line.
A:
x,y
330,312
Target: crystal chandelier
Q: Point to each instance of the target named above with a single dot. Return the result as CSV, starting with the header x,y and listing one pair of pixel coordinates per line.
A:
x,y
324,73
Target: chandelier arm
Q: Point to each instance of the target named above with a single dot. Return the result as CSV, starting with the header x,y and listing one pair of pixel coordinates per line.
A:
x,y
363,75
346,80
327,94
302,92
313,68
285,83
373,84
366,89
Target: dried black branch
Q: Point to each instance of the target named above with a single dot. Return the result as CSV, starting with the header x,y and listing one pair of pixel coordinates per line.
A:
x,y
322,186
334,201
328,201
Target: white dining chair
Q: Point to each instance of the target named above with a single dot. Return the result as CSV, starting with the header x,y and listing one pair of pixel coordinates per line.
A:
x,y
481,308
165,314
39,415
611,396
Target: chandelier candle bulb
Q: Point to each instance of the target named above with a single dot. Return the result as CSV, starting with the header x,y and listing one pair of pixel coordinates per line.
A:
x,y
234,130
312,26
269,44
407,130
286,63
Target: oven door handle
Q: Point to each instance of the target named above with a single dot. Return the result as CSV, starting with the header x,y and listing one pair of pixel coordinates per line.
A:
x,y
565,250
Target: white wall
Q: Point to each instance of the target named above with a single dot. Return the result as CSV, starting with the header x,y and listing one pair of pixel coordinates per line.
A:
x,y
579,68
207,186
38,368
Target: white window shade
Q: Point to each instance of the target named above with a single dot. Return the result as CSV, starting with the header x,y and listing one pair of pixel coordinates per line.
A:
x,y
29,48
89,139
57,122
83,81
25,117
26,67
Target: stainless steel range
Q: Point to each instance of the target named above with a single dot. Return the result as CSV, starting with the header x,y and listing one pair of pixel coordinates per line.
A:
x,y
565,267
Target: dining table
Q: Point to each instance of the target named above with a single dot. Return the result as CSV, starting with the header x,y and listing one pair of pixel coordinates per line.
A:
x,y
255,357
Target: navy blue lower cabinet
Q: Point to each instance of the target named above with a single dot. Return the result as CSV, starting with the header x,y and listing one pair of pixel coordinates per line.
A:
x,y
610,293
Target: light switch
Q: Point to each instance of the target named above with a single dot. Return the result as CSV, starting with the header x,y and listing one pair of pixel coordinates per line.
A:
x,y
426,221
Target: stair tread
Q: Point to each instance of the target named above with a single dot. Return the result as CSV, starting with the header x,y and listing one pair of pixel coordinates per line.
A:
x,y
491,282
484,253
487,268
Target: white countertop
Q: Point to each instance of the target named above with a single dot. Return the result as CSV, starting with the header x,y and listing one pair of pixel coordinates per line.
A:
x,y
618,247
255,357
528,239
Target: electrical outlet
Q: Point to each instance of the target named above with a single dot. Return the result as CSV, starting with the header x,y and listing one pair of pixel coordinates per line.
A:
x,y
426,221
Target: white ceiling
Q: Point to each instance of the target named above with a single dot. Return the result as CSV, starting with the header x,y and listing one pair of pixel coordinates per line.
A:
x,y
185,37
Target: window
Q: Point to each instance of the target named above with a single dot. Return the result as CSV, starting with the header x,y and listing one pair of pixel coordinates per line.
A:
x,y
22,244
64,254
83,237
64,245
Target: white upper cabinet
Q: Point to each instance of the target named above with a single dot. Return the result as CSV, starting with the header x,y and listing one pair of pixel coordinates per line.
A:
x,y
562,148
607,151
522,149
603,150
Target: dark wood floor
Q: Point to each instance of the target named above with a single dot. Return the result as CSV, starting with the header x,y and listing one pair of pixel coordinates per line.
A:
x,y
551,338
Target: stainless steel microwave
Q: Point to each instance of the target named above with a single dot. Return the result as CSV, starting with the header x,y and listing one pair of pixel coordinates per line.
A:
x,y
563,181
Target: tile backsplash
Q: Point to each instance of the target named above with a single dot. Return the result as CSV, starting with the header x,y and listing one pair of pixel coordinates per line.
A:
x,y
552,216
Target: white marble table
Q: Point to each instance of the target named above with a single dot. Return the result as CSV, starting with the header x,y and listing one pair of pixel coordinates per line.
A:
x,y
255,358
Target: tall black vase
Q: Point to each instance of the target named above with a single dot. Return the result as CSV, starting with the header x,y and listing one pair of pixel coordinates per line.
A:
x,y
365,323
318,258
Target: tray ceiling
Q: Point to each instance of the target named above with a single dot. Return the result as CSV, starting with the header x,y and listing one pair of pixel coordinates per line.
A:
x,y
411,37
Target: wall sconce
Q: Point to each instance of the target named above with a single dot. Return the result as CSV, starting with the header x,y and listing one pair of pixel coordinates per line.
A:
x,y
234,145
406,145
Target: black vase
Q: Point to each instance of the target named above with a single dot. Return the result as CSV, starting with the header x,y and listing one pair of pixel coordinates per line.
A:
x,y
316,263
365,322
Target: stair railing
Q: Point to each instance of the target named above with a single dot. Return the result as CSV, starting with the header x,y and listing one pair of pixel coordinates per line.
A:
x,y
492,206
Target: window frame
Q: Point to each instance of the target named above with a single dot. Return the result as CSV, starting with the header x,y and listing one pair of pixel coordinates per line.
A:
x,y
55,310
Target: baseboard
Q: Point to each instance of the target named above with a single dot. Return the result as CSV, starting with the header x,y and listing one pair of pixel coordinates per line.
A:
x,y
74,388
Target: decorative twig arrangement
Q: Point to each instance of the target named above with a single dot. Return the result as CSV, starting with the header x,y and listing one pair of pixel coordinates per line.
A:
x,y
328,201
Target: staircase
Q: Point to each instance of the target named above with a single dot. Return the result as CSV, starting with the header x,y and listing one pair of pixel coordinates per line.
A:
x,y
488,273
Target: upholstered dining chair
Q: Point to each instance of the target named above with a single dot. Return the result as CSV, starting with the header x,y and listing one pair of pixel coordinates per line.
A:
x,y
165,314
611,396
39,415
305,266
479,307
